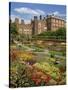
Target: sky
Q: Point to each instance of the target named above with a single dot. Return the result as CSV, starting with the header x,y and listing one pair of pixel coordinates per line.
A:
x,y
27,11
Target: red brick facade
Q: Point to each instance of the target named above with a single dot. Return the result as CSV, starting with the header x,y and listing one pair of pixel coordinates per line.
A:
x,y
38,26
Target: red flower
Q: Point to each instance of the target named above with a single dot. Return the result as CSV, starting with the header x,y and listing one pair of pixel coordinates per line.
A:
x,y
38,81
47,78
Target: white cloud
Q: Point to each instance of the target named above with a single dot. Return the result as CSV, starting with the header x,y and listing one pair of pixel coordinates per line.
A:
x,y
27,21
56,13
59,14
25,10
14,16
40,12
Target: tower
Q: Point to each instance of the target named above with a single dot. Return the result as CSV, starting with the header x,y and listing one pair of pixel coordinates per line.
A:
x,y
21,27
35,25
22,22
16,20
17,23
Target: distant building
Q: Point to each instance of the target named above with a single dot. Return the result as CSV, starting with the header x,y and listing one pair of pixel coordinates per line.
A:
x,y
40,25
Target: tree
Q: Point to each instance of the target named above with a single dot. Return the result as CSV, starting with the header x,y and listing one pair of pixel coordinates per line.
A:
x,y
13,29
13,32
61,33
58,34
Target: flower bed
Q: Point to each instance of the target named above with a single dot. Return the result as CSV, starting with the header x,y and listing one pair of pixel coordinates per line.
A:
x,y
26,71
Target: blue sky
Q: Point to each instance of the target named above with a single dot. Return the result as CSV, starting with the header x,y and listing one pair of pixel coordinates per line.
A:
x,y
27,11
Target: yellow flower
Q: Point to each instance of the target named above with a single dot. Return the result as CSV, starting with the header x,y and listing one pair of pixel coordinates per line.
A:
x,y
25,56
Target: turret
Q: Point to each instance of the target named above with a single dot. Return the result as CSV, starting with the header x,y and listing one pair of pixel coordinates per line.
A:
x,y
22,21
16,20
17,23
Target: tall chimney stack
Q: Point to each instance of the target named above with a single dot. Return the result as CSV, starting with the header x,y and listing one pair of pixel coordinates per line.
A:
x,y
40,17
35,17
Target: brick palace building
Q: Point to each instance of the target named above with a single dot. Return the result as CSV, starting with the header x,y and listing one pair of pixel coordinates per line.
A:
x,y
37,26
